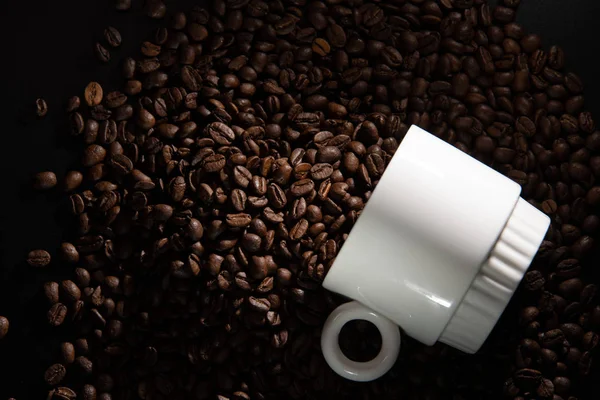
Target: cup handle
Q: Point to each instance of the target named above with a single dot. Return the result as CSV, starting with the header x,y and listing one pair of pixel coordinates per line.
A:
x,y
342,365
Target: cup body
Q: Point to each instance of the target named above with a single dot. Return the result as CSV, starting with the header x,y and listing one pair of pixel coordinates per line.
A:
x,y
428,227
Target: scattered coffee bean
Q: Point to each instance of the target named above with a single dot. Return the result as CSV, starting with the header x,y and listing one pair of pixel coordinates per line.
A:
x,y
45,180
112,36
84,365
72,181
102,54
38,258
63,393
93,155
3,326
155,9
57,313
51,292
93,94
41,108
67,353
122,5
55,374
69,291
73,104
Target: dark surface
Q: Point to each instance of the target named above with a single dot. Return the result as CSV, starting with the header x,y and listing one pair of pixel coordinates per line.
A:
x,y
47,51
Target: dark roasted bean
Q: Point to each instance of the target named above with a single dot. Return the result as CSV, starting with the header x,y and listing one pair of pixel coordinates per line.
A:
x,y
38,258
112,36
4,325
55,374
44,180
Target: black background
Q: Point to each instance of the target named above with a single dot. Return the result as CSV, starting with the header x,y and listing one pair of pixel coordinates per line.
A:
x,y
46,51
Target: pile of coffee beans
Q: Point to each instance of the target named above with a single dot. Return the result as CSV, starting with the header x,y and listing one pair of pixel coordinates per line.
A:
x,y
221,178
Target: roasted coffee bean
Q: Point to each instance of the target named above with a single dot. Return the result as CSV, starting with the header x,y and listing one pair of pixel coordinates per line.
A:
x,y
144,66
545,389
38,258
41,108
51,292
84,365
251,242
78,124
155,9
238,220
220,133
72,180
122,5
150,49
89,392
328,154
299,230
568,268
73,104
302,187
167,131
67,353
82,277
69,291
93,94
239,199
128,68
258,304
534,280
552,338
279,339
57,313
121,164
321,171
63,393
55,374
276,196
585,363
44,180
112,36
115,99
549,206
102,54
321,47
573,83
145,119
561,385
4,325
571,288
77,204
527,379
214,163
590,341
573,332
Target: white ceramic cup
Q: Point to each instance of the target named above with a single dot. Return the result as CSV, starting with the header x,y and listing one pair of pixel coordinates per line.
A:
x,y
439,249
